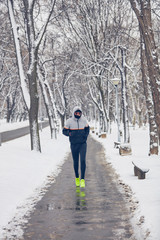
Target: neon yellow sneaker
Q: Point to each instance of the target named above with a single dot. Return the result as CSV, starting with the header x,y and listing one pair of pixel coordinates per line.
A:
x,y
77,182
82,183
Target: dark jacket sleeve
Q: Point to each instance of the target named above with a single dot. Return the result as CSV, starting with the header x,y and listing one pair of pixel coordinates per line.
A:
x,y
87,130
66,131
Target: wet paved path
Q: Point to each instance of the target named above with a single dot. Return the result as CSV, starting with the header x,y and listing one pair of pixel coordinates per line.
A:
x,y
94,213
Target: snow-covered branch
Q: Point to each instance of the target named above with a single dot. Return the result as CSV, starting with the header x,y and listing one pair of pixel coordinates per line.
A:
x,y
18,54
43,30
93,98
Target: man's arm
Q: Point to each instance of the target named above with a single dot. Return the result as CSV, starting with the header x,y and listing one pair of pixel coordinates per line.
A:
x,y
87,128
66,129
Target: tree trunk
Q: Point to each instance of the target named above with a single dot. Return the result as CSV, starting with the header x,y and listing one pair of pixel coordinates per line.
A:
x,y
22,77
124,98
8,110
103,111
133,106
62,120
49,110
33,111
149,103
32,77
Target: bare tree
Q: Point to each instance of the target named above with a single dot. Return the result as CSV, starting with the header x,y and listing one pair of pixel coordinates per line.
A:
x,y
48,101
142,10
34,38
119,57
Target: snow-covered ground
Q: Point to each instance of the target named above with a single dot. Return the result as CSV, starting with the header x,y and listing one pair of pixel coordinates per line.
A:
x,y
146,192
25,175
10,126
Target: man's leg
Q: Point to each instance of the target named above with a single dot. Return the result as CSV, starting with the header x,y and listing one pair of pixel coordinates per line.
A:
x,y
75,156
83,151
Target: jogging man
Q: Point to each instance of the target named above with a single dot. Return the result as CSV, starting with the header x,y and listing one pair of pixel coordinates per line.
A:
x,y
77,129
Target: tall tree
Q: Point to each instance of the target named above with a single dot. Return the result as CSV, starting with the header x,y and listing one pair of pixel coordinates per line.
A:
x,y
119,58
34,38
149,102
142,9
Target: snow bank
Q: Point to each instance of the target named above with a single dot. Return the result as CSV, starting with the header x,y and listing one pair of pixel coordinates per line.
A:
x,y
24,175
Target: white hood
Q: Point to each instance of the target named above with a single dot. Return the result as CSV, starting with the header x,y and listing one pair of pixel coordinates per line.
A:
x,y
75,109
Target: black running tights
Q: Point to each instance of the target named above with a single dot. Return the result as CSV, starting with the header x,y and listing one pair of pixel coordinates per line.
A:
x,y
79,149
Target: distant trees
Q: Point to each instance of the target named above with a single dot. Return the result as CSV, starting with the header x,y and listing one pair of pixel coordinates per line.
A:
x,y
101,27
69,51
10,94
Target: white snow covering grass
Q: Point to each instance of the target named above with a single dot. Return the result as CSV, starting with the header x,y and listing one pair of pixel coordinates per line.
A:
x,y
145,191
10,126
25,175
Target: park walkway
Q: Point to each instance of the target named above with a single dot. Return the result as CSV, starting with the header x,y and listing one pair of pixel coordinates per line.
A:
x,y
94,213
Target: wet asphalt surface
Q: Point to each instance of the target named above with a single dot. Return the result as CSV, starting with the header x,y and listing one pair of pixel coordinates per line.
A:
x,y
94,213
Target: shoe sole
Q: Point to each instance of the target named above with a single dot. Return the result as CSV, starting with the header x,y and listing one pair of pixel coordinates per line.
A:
x,y
82,186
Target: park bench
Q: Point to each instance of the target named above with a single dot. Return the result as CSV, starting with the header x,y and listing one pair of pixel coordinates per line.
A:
x,y
117,144
103,135
140,172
